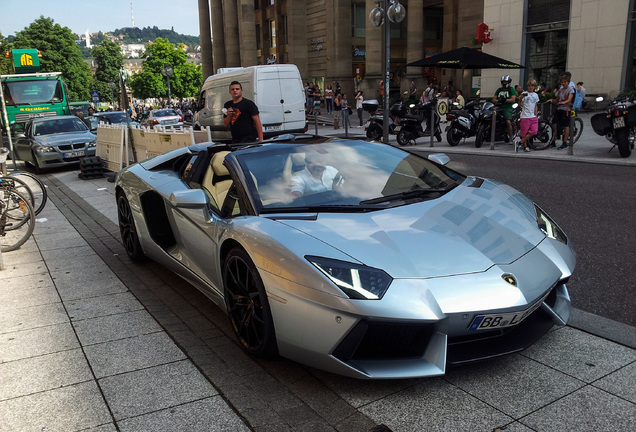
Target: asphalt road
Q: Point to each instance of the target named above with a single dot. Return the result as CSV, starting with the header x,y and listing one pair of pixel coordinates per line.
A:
x,y
595,205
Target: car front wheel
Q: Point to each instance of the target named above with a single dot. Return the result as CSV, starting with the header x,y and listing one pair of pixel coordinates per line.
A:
x,y
128,230
247,305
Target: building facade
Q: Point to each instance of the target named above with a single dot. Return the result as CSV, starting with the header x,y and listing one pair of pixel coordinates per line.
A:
x,y
334,40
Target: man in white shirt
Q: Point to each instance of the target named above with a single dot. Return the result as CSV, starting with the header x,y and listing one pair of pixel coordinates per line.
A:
x,y
316,177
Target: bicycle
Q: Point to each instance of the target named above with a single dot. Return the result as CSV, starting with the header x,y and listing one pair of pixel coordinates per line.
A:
x,y
29,184
545,138
17,220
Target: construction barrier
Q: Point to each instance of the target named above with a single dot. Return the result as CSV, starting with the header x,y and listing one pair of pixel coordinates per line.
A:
x,y
113,142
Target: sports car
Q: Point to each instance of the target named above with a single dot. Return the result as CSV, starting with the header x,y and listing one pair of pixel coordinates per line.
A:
x,y
354,257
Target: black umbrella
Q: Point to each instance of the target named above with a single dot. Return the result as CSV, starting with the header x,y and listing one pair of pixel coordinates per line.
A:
x,y
466,58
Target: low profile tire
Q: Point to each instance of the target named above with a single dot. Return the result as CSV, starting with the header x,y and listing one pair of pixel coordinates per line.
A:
x,y
247,305
482,133
128,230
453,137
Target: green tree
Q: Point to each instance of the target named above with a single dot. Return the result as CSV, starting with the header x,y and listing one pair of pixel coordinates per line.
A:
x,y
149,83
59,54
5,62
109,61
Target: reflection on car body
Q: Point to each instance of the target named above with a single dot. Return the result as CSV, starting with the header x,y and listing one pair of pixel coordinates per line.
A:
x,y
400,268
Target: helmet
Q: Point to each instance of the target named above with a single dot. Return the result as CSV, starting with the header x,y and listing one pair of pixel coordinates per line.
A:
x,y
506,80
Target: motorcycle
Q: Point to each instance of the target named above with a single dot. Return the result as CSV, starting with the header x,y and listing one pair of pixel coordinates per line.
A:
x,y
410,127
463,122
374,126
617,124
485,124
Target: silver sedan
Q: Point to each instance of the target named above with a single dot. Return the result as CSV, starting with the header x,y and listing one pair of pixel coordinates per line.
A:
x,y
166,117
55,142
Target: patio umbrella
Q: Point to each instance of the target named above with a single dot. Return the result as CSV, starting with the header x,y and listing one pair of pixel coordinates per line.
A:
x,y
466,58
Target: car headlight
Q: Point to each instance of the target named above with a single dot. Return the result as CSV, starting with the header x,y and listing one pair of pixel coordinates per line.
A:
x,y
44,149
356,281
549,227
91,144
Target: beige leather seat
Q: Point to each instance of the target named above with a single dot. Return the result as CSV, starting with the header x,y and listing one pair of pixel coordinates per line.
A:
x,y
217,179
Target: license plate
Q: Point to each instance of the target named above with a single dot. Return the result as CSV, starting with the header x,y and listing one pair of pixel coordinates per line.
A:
x,y
73,154
273,128
497,321
618,122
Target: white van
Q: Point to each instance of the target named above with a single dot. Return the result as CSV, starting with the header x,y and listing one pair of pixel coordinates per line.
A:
x,y
277,91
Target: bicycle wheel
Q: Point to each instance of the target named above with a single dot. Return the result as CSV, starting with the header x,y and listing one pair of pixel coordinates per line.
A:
x,y
37,187
578,129
7,184
13,232
544,135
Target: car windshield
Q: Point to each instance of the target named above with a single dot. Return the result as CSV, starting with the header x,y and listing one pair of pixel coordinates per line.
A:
x,y
59,126
115,117
25,92
164,113
341,176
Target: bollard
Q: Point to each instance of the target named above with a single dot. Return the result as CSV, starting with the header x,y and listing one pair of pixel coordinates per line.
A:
x,y
571,137
316,122
493,126
431,124
345,116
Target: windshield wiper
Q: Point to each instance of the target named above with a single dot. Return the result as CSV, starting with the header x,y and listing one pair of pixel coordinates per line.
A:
x,y
413,193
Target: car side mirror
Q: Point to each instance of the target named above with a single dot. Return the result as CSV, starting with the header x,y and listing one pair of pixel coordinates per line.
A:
x,y
193,198
439,158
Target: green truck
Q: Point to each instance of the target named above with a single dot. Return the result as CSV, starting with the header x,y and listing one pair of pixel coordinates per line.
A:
x,y
28,93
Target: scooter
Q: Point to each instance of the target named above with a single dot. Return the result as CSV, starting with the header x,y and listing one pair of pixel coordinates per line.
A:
x,y
410,127
374,126
485,124
617,124
463,122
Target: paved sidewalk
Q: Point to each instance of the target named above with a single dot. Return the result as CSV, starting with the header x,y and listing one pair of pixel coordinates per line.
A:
x,y
92,341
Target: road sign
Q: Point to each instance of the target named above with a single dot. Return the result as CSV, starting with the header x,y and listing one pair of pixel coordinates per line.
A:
x,y
95,96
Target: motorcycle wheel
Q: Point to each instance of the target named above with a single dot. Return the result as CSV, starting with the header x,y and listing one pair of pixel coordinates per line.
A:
x,y
375,132
405,137
541,140
453,136
483,132
622,141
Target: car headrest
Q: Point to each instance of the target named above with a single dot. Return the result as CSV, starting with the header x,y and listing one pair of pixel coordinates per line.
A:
x,y
217,164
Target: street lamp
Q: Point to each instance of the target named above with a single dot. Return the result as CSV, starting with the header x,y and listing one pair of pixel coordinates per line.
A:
x,y
112,93
168,71
396,13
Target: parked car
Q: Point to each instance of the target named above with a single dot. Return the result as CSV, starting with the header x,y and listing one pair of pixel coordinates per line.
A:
x,y
166,117
354,257
54,142
114,117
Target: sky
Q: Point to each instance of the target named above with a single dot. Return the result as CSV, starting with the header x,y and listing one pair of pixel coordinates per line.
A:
x,y
101,15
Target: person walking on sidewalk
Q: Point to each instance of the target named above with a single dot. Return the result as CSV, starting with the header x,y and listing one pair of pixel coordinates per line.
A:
x,y
359,100
564,98
529,124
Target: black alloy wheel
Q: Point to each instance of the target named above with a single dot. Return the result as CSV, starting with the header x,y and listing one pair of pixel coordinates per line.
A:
x,y
453,136
405,137
247,305
375,132
128,230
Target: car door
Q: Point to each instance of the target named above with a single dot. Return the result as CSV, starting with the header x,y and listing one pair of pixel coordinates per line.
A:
x,y
23,144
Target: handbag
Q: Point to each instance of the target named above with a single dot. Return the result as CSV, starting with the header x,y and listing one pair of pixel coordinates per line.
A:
x,y
349,111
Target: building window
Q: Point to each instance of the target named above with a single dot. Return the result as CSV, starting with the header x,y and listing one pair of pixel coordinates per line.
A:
x,y
258,37
433,22
285,32
272,34
546,41
359,18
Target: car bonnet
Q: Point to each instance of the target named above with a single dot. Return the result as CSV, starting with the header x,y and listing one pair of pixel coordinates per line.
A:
x,y
467,230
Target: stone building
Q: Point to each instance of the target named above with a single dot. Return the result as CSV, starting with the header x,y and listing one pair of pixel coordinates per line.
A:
x,y
333,40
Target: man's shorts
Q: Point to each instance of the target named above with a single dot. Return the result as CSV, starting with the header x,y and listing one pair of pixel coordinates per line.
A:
x,y
561,118
529,126
507,111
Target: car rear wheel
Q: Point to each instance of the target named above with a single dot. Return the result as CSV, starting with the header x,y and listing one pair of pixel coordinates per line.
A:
x,y
128,230
247,305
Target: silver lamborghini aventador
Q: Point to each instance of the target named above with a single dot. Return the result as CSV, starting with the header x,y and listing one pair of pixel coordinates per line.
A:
x,y
354,257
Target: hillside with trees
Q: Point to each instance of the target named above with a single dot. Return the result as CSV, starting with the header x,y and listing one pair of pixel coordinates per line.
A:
x,y
137,35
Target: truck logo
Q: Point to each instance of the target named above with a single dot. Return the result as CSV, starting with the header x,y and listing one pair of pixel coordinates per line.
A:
x,y
37,115
26,60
